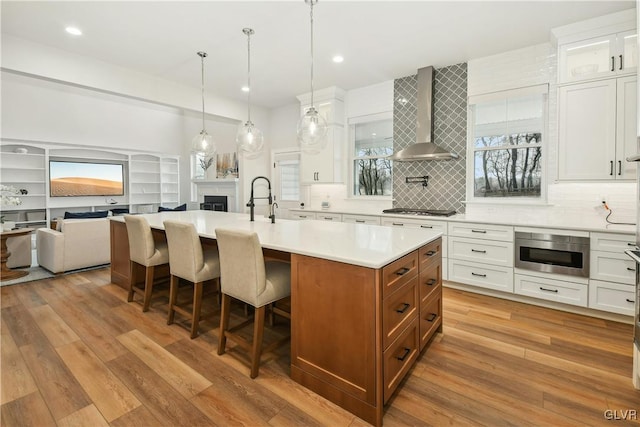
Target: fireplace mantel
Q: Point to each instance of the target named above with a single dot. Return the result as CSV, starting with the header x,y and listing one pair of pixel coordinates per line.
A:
x,y
219,187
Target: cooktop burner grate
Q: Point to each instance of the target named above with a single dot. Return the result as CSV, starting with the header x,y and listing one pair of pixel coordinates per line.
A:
x,y
423,212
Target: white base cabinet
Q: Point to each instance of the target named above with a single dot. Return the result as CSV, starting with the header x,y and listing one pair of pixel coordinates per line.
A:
x,y
552,290
482,275
613,297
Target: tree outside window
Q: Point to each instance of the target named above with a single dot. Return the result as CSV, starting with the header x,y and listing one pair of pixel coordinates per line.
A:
x,y
372,144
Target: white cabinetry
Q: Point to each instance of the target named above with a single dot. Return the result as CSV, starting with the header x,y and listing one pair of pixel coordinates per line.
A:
x,y
24,169
481,255
144,170
326,216
612,273
170,181
361,219
603,56
302,215
325,166
597,130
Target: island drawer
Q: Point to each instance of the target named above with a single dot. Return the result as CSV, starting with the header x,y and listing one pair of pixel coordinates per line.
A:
x,y
398,310
430,280
612,297
399,272
431,252
488,251
481,231
552,290
399,358
482,275
430,317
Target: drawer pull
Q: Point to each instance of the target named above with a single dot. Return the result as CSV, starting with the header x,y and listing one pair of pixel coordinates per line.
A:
x,y
404,308
478,275
302,216
479,231
432,317
403,271
426,226
555,291
399,224
360,221
328,218
631,269
630,244
431,282
407,351
478,251
631,301
431,253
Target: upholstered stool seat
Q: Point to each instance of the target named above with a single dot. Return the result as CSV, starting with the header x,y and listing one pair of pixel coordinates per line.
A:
x,y
247,277
188,261
145,251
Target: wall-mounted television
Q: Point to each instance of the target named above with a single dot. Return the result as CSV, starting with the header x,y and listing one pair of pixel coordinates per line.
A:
x,y
80,178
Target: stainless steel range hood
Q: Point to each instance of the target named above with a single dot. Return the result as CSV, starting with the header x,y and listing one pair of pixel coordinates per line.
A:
x,y
424,149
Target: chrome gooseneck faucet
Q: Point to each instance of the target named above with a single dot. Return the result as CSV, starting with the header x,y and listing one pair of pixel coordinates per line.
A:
x,y
251,203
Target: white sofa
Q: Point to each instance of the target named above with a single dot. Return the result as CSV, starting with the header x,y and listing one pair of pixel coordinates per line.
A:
x,y
20,248
79,243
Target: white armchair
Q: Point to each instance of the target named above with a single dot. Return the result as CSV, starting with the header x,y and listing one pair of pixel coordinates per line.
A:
x,y
80,243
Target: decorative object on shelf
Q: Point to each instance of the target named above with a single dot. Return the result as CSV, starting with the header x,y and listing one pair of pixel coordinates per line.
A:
x,y
8,225
203,142
24,191
7,197
227,165
249,138
21,150
312,127
205,163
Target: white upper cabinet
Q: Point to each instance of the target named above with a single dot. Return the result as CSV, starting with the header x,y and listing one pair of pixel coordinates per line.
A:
x,y
325,166
597,130
605,56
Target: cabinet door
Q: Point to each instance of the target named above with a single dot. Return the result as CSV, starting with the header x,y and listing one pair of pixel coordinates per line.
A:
x,y
587,131
587,59
627,51
626,127
317,168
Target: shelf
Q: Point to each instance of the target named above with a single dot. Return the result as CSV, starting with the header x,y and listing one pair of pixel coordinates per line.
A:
x,y
23,168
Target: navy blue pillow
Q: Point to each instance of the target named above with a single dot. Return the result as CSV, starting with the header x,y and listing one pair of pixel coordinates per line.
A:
x,y
76,215
120,211
182,207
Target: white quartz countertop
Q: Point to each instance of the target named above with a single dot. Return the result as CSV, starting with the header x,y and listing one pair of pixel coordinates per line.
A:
x,y
554,219
364,245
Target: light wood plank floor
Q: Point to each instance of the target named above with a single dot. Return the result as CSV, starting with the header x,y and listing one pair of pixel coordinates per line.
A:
x,y
75,353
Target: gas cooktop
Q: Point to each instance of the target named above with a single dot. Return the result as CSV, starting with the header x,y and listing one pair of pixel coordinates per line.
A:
x,y
421,212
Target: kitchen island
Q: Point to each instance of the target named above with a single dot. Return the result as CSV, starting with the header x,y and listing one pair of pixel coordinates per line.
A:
x,y
365,300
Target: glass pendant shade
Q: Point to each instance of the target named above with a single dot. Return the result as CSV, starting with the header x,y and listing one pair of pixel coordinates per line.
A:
x,y
203,144
250,140
312,131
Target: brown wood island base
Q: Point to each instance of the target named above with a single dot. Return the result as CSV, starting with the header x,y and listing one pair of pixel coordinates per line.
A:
x,y
355,331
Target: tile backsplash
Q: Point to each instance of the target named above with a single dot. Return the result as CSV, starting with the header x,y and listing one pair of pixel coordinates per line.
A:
x,y
446,189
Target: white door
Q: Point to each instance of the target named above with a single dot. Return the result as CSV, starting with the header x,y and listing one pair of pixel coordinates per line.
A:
x,y
627,129
587,131
285,175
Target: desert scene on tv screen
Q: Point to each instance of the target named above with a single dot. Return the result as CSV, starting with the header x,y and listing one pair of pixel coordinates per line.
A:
x,y
79,179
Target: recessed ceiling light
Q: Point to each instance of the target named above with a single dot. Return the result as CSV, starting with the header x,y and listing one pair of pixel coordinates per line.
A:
x,y
245,88
374,134
73,30
338,59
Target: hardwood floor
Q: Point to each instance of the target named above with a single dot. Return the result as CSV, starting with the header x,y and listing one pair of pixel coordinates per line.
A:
x,y
75,353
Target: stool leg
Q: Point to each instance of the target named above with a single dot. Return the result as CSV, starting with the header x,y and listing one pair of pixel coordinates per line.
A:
x,y
258,329
173,296
148,287
224,322
197,304
132,280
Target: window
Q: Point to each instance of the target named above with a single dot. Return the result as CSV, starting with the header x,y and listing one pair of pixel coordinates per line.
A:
x,y
506,140
286,178
371,143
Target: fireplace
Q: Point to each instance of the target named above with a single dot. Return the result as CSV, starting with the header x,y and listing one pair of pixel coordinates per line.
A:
x,y
215,203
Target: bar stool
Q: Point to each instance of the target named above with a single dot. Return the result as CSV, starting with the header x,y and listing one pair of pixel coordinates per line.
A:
x,y
247,277
143,250
188,261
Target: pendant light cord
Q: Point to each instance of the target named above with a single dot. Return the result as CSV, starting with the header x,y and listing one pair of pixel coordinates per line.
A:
x,y
311,16
202,56
249,74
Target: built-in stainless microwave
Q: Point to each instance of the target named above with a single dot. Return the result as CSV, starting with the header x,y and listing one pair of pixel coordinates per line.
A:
x,y
552,253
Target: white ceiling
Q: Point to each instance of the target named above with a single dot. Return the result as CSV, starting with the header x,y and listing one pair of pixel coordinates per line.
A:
x,y
380,40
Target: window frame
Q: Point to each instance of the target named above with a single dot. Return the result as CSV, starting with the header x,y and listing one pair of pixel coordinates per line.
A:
x,y
351,121
473,100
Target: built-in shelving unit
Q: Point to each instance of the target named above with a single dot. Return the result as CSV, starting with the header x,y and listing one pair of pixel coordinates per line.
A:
x,y
151,180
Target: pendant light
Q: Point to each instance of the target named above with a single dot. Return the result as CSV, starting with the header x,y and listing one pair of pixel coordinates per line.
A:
x,y
203,142
249,138
312,127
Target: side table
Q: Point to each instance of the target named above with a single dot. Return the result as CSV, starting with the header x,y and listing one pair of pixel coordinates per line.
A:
x,y
5,272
